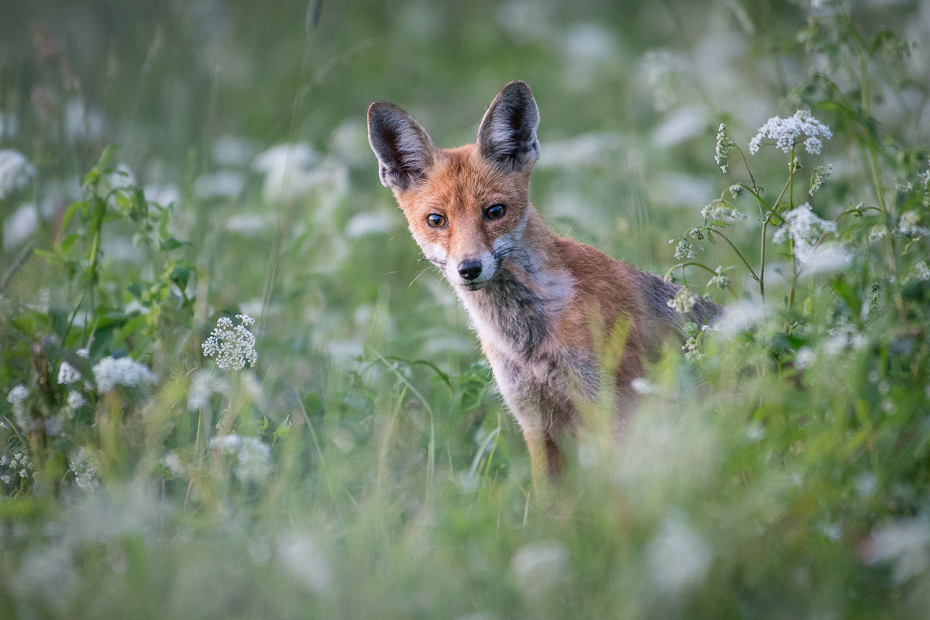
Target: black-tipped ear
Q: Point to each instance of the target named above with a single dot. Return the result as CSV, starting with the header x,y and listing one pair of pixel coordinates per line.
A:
x,y
403,148
507,135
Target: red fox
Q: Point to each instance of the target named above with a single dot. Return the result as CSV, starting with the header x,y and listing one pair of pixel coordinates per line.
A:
x,y
542,305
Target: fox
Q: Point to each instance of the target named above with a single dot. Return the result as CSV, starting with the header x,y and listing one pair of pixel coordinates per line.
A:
x,y
543,305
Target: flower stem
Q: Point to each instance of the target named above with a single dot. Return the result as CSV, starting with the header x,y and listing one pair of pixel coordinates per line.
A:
x,y
738,253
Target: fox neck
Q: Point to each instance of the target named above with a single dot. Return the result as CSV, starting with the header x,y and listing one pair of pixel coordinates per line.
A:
x,y
516,314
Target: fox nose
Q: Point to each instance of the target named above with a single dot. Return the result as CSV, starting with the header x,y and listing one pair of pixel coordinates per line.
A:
x,y
470,269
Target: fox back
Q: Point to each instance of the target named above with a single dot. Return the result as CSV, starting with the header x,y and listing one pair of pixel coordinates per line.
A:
x,y
546,308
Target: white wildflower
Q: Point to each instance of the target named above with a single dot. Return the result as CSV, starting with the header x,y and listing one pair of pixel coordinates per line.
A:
x,y
820,175
20,225
909,225
300,555
804,228
17,398
879,231
718,211
223,184
724,145
68,374
18,462
203,386
232,346
921,271
804,358
663,70
15,173
692,349
842,336
683,301
643,386
110,372
75,400
678,557
786,131
923,179
539,566
736,190
720,279
813,145
122,178
684,250
84,468
827,258
85,352
905,544
173,463
755,431
253,457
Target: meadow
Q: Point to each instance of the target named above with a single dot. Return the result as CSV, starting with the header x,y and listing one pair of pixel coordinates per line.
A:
x,y
231,388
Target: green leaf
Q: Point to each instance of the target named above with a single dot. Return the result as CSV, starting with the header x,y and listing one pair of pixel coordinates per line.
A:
x,y
163,223
180,275
172,244
92,178
73,208
32,322
283,430
68,242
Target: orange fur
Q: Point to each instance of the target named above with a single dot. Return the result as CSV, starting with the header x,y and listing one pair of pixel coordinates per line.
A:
x,y
544,306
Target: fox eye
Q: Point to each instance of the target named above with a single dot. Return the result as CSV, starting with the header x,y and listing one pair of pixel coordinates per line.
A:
x,y
495,212
434,220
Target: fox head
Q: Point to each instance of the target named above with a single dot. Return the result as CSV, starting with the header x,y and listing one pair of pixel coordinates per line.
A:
x,y
466,207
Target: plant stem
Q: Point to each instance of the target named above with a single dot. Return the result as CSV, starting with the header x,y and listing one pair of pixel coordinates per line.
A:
x,y
765,226
738,253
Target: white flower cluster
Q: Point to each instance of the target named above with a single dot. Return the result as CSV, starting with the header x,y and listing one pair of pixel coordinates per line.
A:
x,y
84,469
683,301
539,566
68,374
921,271
203,386
18,462
253,456
720,279
678,556
232,346
692,349
75,400
804,228
721,156
786,131
643,386
923,179
909,225
17,398
684,250
15,172
110,372
719,211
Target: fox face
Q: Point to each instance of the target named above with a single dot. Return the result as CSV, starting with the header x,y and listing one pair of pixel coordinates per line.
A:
x,y
467,207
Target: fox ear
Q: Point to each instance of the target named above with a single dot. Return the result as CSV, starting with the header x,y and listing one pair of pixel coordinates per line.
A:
x,y
507,135
403,148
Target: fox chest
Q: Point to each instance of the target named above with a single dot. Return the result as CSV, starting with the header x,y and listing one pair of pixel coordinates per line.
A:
x,y
540,378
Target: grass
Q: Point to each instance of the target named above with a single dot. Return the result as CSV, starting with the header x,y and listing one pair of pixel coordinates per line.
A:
x,y
365,466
